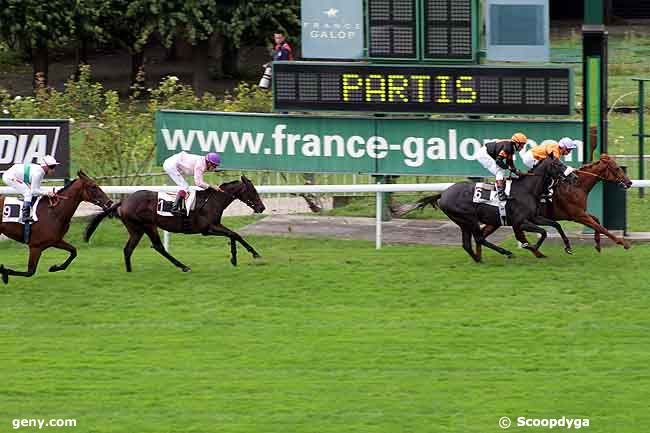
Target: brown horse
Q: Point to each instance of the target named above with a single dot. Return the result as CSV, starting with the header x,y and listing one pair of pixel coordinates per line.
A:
x,y
138,213
53,223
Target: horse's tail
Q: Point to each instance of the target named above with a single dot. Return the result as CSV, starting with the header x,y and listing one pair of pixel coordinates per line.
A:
x,y
92,225
419,205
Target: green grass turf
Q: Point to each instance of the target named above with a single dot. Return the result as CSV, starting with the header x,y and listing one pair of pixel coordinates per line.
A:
x,y
324,336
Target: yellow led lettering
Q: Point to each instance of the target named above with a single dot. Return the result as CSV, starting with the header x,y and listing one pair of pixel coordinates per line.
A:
x,y
443,79
420,80
397,84
469,92
349,87
380,90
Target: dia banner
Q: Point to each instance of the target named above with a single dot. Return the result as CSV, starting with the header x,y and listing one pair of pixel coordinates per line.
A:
x,y
25,141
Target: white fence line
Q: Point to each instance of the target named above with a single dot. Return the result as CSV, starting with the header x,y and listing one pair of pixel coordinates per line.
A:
x,y
378,189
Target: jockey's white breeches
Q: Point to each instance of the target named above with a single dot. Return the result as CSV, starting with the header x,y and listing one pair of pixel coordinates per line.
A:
x,y
490,164
171,168
21,187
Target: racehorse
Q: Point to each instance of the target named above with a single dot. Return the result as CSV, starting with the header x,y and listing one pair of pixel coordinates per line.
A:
x,y
570,201
138,213
53,223
522,209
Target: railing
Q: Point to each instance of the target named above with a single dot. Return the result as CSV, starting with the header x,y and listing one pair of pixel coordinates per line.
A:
x,y
377,189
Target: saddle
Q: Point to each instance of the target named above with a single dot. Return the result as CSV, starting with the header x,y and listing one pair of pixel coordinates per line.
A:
x,y
486,193
166,202
12,210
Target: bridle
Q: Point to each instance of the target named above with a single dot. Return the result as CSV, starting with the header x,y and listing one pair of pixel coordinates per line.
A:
x,y
246,201
618,179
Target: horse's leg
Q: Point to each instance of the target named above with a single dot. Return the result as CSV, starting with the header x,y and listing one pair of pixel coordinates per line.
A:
x,y
530,227
233,252
63,245
487,231
593,222
221,230
521,237
34,257
134,238
544,221
467,244
157,245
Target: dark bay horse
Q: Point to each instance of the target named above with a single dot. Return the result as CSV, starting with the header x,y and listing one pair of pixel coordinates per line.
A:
x,y
570,201
53,223
522,209
138,213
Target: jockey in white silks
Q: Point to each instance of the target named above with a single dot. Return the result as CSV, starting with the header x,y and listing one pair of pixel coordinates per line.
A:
x,y
181,164
26,180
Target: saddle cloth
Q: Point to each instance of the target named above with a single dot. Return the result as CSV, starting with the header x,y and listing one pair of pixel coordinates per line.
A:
x,y
12,210
166,202
486,193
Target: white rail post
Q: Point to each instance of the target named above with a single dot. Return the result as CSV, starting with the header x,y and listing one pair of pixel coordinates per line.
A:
x,y
166,240
378,217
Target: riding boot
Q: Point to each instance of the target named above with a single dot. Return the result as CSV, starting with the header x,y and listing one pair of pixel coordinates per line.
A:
x,y
27,221
177,209
501,190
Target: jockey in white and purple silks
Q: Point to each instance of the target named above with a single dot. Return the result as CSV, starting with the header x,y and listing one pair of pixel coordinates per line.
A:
x,y
185,163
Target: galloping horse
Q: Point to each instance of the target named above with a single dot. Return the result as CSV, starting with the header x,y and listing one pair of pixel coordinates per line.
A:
x,y
458,204
138,213
53,223
570,201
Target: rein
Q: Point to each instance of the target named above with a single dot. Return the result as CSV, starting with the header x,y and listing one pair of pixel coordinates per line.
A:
x,y
56,199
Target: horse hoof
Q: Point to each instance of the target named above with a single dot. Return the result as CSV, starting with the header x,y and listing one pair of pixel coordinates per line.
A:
x,y
186,269
627,246
233,262
54,268
568,250
510,256
256,256
5,277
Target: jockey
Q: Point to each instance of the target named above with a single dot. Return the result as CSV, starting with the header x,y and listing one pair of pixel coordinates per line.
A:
x,y
543,151
187,164
26,180
497,157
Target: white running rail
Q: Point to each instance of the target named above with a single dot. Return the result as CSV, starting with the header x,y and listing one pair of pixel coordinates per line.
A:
x,y
378,189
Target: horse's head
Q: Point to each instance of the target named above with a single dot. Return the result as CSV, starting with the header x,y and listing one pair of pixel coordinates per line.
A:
x,y
608,170
92,193
246,192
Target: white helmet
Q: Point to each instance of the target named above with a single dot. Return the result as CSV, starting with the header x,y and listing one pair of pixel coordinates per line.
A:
x,y
49,161
568,143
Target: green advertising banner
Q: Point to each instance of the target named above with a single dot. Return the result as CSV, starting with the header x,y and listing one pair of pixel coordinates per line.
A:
x,y
374,145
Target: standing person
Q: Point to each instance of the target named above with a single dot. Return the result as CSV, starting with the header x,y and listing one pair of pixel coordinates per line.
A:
x,y
498,156
281,51
185,163
26,180
543,151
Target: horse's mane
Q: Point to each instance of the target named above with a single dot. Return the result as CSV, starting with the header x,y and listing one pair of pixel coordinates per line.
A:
x,y
603,158
67,186
232,182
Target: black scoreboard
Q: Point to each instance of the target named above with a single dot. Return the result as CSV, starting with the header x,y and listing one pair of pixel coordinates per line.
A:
x,y
447,31
313,86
